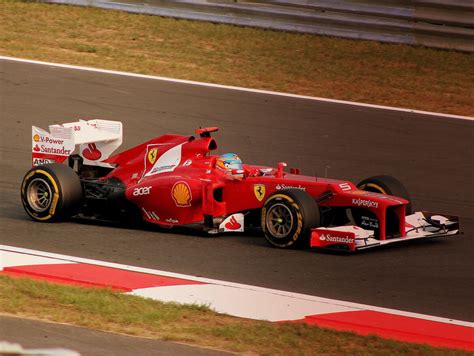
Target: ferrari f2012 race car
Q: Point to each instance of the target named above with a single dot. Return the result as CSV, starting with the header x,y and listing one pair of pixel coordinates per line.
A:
x,y
174,180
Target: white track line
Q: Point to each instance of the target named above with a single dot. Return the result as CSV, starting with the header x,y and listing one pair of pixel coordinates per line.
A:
x,y
234,285
20,259
97,70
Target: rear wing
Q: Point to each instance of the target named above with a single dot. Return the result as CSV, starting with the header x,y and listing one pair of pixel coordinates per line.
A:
x,y
97,140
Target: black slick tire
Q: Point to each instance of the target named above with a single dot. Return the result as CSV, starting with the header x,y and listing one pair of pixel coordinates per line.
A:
x,y
287,217
51,192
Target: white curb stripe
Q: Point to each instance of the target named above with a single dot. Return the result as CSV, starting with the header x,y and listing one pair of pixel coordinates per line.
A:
x,y
241,302
20,259
182,81
270,292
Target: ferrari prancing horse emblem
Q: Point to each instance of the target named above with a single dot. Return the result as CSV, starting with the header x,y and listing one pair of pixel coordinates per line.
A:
x,y
152,155
259,191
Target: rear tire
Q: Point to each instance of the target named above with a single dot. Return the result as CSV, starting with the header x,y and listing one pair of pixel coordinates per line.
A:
x,y
51,192
287,217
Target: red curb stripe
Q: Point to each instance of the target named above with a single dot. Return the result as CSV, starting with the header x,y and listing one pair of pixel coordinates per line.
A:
x,y
95,276
59,281
397,327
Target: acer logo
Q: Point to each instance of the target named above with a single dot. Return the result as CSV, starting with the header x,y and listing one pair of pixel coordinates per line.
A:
x,y
141,191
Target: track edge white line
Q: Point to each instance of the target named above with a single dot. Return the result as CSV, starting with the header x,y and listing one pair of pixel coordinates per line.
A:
x,y
229,87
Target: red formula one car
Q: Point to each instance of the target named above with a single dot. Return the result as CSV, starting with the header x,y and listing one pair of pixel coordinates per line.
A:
x,y
174,180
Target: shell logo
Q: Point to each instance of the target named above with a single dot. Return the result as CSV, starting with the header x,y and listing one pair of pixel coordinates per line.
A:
x,y
36,138
181,194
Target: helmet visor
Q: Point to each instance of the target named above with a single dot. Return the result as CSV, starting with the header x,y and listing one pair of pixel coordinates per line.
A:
x,y
233,164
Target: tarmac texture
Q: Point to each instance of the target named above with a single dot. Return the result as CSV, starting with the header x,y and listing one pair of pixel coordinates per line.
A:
x,y
36,334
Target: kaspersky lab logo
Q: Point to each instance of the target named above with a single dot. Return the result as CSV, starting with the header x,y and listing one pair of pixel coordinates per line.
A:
x,y
365,203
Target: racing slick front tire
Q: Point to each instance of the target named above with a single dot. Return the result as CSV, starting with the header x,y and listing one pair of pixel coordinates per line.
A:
x,y
51,192
385,184
287,217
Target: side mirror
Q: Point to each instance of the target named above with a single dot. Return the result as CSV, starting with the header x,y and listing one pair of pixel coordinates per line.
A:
x,y
212,162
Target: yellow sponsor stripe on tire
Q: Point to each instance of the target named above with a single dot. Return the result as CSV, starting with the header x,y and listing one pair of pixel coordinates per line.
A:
x,y
54,203
262,222
282,196
300,224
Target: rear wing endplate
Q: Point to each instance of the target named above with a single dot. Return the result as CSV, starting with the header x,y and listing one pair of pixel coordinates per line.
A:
x,y
97,140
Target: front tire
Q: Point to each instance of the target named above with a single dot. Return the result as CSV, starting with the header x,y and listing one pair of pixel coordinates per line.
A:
x,y
51,192
385,184
287,217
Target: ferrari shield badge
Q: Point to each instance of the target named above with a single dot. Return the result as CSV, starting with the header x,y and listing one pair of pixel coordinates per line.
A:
x,y
152,154
259,191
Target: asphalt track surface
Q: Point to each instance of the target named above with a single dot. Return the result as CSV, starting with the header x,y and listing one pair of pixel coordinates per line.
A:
x,y
40,335
433,156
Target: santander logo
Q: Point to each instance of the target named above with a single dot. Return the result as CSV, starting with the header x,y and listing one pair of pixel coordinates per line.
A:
x,y
91,152
340,239
233,224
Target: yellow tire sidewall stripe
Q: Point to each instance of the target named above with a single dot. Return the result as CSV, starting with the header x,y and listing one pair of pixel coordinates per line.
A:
x,y
298,214
54,203
376,186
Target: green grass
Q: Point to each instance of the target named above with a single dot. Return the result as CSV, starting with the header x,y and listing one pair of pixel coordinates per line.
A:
x,y
194,324
365,71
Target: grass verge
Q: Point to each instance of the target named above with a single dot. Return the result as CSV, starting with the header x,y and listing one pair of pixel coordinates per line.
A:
x,y
364,71
111,311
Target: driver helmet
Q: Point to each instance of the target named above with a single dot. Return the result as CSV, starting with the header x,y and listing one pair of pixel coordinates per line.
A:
x,y
228,162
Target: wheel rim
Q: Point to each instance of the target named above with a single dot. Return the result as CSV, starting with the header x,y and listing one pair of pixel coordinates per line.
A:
x,y
279,220
39,195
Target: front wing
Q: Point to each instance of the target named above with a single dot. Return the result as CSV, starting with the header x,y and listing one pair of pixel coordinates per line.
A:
x,y
420,225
